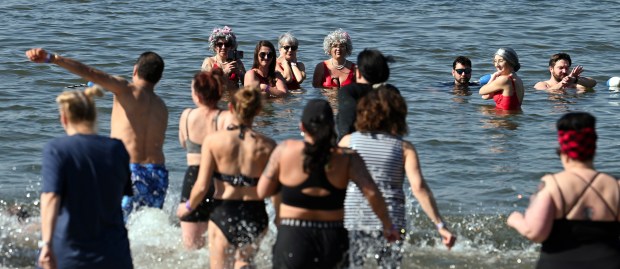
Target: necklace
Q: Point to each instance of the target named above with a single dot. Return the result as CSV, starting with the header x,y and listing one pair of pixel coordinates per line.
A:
x,y
339,67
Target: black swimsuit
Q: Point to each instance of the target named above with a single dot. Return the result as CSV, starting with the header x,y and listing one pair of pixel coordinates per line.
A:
x,y
582,243
241,222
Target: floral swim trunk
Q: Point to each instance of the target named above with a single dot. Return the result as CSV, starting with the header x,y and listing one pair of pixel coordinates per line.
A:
x,y
149,184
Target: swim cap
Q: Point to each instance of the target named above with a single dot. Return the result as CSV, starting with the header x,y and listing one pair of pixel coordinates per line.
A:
x,y
510,56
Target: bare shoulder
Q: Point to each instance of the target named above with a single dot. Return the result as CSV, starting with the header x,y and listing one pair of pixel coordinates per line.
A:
x,y
207,64
541,85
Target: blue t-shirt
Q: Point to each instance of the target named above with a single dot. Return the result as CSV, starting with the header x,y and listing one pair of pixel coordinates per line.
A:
x,y
91,174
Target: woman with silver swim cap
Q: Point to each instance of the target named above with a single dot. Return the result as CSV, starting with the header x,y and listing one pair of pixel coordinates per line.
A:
x,y
505,86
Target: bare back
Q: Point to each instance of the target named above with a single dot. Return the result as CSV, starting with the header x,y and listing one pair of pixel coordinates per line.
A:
x,y
196,124
235,156
139,119
584,194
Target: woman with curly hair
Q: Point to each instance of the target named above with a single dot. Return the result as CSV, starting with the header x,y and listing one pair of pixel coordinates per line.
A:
x,y
336,72
223,43
381,123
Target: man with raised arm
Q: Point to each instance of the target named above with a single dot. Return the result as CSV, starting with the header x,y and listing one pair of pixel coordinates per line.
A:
x,y
562,78
139,118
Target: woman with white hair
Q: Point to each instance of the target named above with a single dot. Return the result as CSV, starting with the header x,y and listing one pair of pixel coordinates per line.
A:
x,y
336,72
223,42
293,71
505,87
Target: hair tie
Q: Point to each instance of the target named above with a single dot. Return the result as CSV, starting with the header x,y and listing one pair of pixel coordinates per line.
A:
x,y
378,85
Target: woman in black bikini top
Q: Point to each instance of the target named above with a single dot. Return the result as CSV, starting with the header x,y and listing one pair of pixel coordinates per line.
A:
x,y
234,158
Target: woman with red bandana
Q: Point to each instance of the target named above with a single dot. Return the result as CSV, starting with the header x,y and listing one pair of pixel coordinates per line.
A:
x,y
576,213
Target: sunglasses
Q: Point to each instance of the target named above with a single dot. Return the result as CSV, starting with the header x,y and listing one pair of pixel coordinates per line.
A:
x,y
222,44
265,55
293,48
464,70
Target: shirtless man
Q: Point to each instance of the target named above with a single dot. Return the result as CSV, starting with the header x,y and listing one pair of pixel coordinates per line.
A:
x,y
139,118
561,79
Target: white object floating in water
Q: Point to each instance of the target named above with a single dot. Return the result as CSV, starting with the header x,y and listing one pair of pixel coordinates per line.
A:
x,y
614,82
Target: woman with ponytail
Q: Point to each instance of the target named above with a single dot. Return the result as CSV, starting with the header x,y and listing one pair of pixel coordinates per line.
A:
x,y
576,212
311,176
233,159
84,177
194,125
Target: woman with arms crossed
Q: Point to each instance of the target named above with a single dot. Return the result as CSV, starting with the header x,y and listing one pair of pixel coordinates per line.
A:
x,y
293,71
505,86
576,213
312,176
234,158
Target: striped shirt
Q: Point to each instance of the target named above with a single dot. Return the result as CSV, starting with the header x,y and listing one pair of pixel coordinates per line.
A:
x,y
383,155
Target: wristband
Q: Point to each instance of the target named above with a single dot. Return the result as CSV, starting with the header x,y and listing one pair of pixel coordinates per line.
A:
x,y
267,89
576,80
188,206
42,244
293,64
48,59
440,225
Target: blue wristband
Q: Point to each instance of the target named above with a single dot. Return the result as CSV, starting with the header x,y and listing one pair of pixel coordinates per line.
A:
x,y
48,59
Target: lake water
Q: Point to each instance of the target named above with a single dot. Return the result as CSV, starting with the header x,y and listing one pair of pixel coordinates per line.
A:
x,y
476,161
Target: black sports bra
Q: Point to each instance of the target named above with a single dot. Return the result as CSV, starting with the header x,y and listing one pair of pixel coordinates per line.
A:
x,y
295,197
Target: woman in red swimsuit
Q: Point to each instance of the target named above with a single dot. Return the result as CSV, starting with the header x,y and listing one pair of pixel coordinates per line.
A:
x,y
336,72
221,41
505,87
263,74
293,71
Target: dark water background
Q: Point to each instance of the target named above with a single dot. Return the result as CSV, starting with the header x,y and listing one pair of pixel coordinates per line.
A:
x,y
476,161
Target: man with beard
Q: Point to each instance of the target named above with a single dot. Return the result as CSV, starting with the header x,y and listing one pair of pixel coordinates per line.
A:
x,y
562,78
461,71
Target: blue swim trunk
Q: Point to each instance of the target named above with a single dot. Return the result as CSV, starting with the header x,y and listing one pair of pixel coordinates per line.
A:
x,y
149,183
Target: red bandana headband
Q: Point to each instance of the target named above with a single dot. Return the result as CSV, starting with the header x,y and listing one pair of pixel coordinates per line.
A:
x,y
578,144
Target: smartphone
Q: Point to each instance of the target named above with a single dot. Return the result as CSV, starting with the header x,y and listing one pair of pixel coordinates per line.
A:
x,y
234,55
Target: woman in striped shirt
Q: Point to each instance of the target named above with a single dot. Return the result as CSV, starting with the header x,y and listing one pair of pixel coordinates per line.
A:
x,y
380,124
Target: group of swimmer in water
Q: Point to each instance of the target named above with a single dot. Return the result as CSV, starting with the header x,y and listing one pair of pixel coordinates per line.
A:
x,y
505,87
324,188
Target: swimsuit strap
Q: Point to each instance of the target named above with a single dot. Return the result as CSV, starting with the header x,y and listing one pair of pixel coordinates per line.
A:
x,y
561,195
242,128
219,111
589,186
600,195
187,125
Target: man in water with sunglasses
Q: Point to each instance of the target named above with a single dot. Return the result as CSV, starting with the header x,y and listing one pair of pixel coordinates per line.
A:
x,y
461,71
